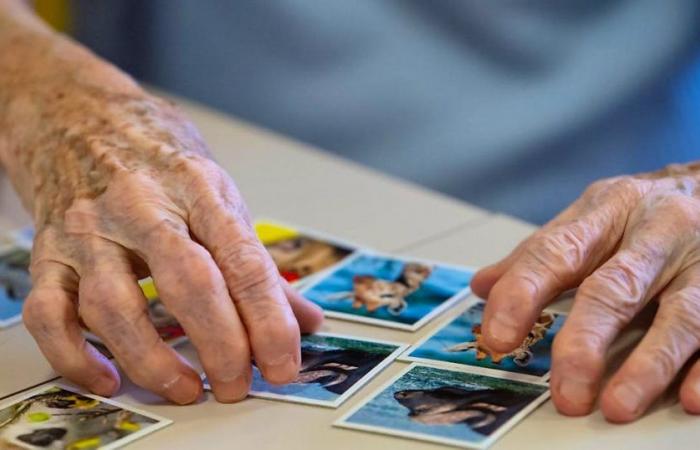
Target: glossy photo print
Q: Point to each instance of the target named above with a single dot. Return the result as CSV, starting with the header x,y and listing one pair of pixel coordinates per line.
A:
x,y
446,406
300,254
389,291
333,367
460,342
15,283
57,417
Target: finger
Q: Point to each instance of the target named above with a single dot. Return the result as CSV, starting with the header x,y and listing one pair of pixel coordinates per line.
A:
x,y
308,314
672,339
551,263
114,308
690,390
220,222
557,259
484,279
192,288
648,258
50,315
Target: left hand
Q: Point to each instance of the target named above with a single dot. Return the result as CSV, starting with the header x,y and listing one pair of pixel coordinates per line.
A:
x,y
626,241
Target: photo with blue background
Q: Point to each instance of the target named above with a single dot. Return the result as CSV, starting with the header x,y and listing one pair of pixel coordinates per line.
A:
x,y
331,364
442,284
460,330
386,411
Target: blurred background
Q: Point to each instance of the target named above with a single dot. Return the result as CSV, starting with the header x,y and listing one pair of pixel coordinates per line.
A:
x,y
514,105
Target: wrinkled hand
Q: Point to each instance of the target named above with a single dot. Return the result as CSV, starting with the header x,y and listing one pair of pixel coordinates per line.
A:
x,y
625,241
123,188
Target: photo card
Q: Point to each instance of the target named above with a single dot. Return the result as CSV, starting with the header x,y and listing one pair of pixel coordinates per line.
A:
x,y
446,406
54,416
460,343
333,368
301,254
391,291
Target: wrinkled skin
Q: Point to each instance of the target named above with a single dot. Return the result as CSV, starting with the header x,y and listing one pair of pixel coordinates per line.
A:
x,y
120,186
625,242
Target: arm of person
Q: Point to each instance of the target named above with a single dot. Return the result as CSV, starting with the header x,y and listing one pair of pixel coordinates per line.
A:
x,y
120,185
627,241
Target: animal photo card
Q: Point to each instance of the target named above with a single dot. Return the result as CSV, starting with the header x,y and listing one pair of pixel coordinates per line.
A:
x,y
446,406
389,291
59,417
460,343
15,283
333,368
300,254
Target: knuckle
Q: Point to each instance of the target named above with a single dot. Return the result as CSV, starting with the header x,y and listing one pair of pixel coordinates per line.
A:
x,y
562,251
616,191
200,277
584,339
619,280
95,304
625,185
665,360
36,312
191,163
684,211
682,310
648,252
39,315
164,231
104,303
248,269
599,186
600,297
573,241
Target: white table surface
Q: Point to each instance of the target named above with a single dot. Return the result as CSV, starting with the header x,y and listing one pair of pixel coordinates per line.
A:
x,y
291,182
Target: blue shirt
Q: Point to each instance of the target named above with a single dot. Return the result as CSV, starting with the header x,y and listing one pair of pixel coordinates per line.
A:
x,y
514,106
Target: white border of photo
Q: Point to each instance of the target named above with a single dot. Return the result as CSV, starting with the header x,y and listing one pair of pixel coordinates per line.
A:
x,y
343,422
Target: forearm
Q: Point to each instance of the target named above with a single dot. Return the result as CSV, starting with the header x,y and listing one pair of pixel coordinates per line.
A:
x,y
62,107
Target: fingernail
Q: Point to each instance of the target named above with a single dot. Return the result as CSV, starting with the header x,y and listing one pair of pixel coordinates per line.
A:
x,y
233,389
182,389
502,327
280,370
576,391
629,396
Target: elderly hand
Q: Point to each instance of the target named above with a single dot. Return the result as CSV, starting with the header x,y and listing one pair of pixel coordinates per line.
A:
x,y
121,186
626,241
